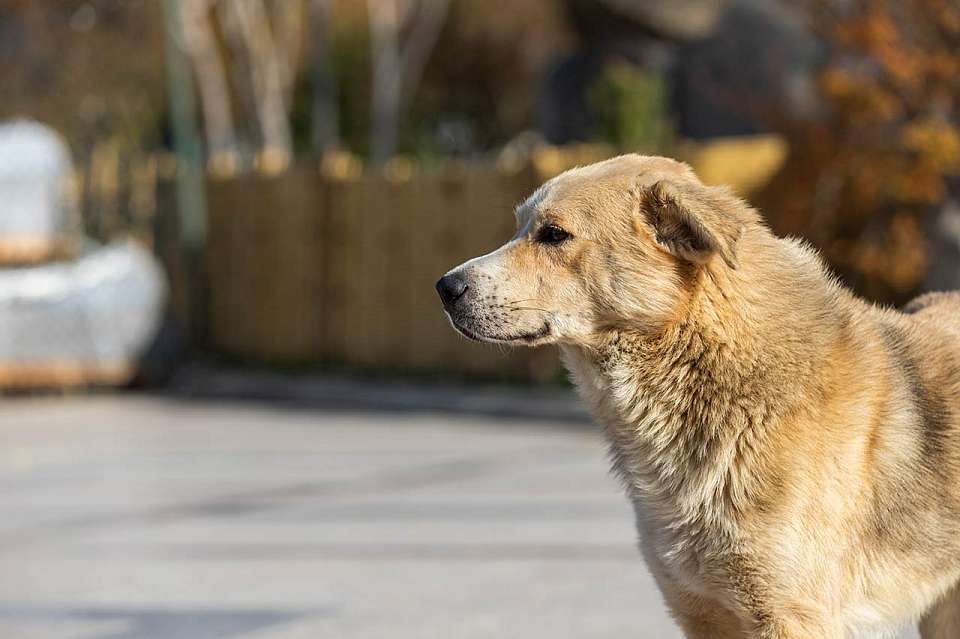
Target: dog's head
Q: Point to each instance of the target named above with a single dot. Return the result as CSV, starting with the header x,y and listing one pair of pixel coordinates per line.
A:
x,y
610,245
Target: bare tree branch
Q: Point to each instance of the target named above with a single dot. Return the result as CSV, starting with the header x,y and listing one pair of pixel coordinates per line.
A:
x,y
211,80
249,30
398,66
288,19
425,31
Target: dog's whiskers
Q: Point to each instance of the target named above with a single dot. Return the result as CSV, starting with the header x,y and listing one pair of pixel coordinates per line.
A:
x,y
515,306
526,308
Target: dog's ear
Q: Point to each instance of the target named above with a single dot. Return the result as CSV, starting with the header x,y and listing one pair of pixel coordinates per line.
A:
x,y
690,223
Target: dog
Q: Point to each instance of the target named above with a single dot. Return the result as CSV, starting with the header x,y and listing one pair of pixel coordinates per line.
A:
x,y
792,452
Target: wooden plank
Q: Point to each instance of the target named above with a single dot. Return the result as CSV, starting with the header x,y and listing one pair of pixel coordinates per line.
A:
x,y
398,278
306,198
369,272
257,264
285,219
218,264
268,245
342,234
315,234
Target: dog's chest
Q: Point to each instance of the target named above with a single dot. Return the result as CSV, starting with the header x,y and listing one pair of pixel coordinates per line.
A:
x,y
676,484
687,553
660,446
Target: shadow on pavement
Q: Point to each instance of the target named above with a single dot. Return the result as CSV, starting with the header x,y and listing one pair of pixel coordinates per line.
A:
x,y
559,406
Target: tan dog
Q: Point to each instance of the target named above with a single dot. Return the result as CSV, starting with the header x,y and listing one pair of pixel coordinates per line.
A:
x,y
792,452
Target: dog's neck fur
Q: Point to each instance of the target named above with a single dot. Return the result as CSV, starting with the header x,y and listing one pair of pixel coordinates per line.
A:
x,y
688,410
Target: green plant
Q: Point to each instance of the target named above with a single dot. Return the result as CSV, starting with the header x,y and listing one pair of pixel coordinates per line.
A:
x,y
632,110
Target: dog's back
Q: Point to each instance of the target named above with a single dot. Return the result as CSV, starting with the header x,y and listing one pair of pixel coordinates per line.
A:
x,y
935,340
935,318
945,306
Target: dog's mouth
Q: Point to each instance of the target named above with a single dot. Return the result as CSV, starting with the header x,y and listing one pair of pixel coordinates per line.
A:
x,y
525,338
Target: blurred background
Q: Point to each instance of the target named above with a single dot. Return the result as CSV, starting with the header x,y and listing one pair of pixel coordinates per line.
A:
x,y
232,405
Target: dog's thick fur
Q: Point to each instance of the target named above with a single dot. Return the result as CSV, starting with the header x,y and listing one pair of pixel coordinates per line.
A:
x,y
792,452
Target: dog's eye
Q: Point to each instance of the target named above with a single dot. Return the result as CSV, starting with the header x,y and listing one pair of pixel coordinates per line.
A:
x,y
551,234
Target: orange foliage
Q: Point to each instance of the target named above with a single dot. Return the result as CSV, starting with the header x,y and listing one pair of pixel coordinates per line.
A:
x,y
861,181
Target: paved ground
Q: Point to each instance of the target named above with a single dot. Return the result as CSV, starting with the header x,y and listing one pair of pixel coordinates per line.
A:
x,y
134,517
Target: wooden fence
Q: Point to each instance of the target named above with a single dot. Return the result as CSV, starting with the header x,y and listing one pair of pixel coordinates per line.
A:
x,y
340,271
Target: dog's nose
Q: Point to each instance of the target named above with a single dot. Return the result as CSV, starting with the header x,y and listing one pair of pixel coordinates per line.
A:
x,y
451,287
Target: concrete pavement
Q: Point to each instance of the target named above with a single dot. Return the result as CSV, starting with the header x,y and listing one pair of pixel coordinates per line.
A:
x,y
135,517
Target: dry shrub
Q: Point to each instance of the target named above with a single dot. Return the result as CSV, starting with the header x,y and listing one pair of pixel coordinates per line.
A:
x,y
862,179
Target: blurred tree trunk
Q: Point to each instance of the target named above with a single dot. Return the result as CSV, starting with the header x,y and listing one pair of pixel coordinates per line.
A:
x,y
211,80
288,17
324,116
427,22
398,63
248,29
943,273
385,92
